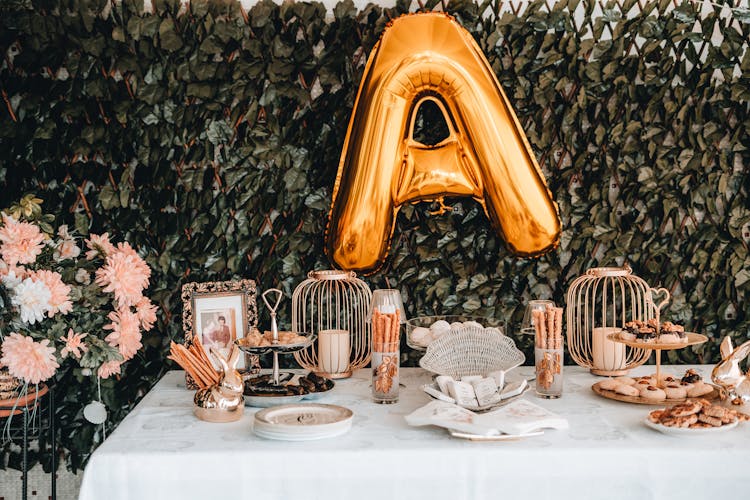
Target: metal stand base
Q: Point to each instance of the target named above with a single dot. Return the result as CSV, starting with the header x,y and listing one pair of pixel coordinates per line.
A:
x,y
33,424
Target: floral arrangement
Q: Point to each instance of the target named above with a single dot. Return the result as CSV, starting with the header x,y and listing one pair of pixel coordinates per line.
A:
x,y
59,305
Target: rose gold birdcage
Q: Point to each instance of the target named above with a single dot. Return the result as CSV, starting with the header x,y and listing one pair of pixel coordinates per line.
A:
x,y
333,300
599,303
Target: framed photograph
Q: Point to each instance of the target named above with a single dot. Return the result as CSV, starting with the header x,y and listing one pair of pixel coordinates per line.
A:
x,y
218,313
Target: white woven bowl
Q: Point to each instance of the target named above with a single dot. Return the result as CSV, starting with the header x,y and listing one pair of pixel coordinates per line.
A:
x,y
471,351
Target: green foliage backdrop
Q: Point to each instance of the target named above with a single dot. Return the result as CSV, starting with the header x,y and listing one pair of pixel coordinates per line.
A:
x,y
209,138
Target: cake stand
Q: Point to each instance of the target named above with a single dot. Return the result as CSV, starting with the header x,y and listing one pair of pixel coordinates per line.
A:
x,y
692,339
277,348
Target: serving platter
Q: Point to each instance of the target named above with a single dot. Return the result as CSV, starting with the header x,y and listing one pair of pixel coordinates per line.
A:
x,y
681,431
715,394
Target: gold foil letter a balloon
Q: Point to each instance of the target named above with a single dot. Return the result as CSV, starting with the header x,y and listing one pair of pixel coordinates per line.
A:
x,y
429,57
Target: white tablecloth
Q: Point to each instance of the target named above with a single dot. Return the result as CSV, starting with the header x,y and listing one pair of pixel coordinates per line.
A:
x,y
161,451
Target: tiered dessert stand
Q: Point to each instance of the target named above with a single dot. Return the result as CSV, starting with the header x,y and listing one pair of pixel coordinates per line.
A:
x,y
276,348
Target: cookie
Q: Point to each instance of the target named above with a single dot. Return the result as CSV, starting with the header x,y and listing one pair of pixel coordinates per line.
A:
x,y
625,380
653,393
715,422
685,409
682,422
700,425
716,411
656,415
699,389
609,385
627,390
674,391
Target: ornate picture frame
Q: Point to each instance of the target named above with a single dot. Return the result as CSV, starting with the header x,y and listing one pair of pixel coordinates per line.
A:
x,y
218,312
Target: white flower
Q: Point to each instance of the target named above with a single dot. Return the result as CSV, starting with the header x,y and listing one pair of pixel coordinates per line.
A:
x,y
32,299
83,277
11,281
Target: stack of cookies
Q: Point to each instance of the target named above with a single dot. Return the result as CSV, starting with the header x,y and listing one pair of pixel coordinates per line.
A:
x,y
696,414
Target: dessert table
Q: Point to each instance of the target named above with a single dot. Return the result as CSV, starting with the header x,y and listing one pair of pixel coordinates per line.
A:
x,y
161,451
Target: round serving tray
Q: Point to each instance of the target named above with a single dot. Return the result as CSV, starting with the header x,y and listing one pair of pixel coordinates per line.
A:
x,y
692,339
271,400
280,348
643,401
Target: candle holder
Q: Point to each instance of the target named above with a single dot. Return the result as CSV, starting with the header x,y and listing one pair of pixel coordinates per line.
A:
x,y
333,300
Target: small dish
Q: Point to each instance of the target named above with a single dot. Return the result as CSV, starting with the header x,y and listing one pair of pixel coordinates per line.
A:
x,y
500,437
681,431
302,422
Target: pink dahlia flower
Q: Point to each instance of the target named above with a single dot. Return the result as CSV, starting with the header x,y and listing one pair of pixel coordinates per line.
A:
x,y
126,333
109,368
125,274
32,362
99,245
73,344
146,312
20,242
59,292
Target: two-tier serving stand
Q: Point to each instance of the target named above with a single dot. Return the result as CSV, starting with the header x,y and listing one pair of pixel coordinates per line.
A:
x,y
657,347
277,348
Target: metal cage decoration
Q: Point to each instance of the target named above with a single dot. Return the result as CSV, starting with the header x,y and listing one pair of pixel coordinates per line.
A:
x,y
599,303
333,300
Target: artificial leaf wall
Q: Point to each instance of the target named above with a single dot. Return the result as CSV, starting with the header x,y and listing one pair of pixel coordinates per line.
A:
x,y
208,136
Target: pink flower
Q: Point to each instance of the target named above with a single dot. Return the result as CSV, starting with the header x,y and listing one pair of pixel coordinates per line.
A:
x,y
73,344
66,249
99,245
12,275
125,274
109,368
33,362
146,312
20,242
59,292
126,333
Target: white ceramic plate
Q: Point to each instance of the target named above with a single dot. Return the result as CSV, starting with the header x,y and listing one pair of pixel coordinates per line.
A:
x,y
501,437
680,431
302,422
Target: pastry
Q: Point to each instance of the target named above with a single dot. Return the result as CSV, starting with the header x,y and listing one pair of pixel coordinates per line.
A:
x,y
456,325
692,376
653,393
610,384
627,390
625,380
674,391
699,389
668,380
472,324
668,338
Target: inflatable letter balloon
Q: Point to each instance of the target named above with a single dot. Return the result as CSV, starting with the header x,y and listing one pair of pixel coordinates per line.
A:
x,y
430,57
